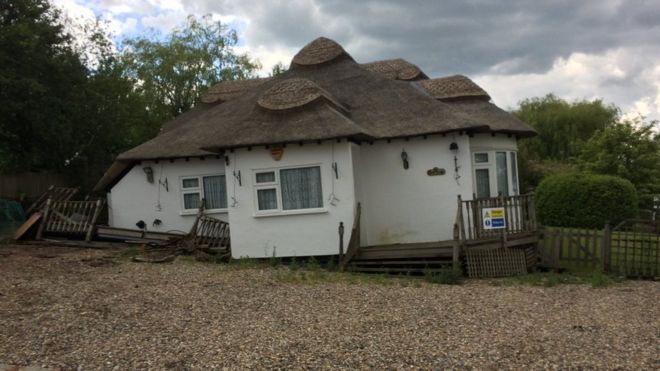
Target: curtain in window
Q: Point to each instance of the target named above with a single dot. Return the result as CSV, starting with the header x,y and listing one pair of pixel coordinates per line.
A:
x,y
483,183
191,200
514,173
502,173
267,199
215,192
301,188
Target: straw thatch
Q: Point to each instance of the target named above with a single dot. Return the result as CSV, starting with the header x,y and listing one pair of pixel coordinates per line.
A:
x,y
320,50
453,87
292,93
396,69
227,90
327,95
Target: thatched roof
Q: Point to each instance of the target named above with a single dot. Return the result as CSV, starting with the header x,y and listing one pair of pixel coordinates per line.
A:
x,y
327,95
453,87
396,69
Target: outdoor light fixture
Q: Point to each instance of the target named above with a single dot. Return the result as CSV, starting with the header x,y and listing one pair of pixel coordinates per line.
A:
x,y
453,147
404,157
150,173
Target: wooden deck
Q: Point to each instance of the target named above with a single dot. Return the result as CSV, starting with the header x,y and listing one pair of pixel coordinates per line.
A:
x,y
470,238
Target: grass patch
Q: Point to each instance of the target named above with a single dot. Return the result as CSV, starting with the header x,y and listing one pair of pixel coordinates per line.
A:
x,y
551,279
130,252
445,276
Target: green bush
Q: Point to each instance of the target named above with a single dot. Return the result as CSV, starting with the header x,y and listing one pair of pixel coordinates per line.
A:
x,y
585,200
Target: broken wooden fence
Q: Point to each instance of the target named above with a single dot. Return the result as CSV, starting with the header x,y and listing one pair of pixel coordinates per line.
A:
x,y
54,194
211,233
75,218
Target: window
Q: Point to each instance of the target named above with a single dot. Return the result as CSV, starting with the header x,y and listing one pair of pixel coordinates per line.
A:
x,y
483,183
481,158
495,172
289,189
213,191
514,173
502,173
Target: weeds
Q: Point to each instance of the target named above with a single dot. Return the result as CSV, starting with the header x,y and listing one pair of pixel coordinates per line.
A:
x,y
552,279
445,276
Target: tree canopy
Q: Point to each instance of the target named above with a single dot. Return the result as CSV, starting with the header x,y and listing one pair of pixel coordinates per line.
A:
x,y
175,72
70,106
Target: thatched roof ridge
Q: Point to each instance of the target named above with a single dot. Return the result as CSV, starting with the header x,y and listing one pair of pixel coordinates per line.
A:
x,y
320,50
396,69
453,87
227,90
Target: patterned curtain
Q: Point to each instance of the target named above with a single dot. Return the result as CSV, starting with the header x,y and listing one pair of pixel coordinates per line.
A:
x,y
215,192
301,188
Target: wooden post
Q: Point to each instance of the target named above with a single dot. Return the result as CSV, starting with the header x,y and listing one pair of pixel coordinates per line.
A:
x,y
606,248
92,223
44,221
341,241
460,220
455,256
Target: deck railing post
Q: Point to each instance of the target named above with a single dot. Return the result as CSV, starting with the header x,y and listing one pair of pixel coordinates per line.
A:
x,y
44,219
341,241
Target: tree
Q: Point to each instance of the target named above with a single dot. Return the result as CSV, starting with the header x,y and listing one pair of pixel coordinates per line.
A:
x,y
175,71
39,76
630,150
278,69
563,129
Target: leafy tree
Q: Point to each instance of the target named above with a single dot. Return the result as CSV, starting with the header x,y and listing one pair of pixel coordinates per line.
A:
x,y
278,69
40,75
630,150
174,71
563,129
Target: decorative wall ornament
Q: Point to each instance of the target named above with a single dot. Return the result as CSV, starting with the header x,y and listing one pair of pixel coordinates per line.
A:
x,y
436,171
276,153
404,158
150,173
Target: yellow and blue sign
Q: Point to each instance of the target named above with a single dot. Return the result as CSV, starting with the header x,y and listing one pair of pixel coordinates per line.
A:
x,y
493,218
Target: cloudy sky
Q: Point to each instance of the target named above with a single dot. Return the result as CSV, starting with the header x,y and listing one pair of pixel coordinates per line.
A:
x,y
607,49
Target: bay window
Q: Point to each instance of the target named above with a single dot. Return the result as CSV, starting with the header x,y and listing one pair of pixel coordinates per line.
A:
x,y
495,172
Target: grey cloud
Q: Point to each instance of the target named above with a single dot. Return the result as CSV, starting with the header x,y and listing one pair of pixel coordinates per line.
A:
x,y
447,37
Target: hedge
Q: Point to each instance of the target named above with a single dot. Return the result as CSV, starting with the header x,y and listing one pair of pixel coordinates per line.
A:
x,y
585,200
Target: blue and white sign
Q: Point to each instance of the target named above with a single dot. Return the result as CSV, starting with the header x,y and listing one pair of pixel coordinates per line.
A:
x,y
493,218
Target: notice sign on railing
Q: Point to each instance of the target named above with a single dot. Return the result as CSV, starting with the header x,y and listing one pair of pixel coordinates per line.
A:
x,y
493,218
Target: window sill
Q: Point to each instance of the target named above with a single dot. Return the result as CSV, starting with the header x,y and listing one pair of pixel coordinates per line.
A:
x,y
265,214
206,212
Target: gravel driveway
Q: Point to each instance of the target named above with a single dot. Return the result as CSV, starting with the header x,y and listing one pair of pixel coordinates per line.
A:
x,y
81,309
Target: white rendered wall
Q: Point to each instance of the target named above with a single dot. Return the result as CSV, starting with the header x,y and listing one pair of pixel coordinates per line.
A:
x,y
407,206
312,234
133,198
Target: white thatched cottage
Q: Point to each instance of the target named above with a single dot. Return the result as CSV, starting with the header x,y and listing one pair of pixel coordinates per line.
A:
x,y
285,159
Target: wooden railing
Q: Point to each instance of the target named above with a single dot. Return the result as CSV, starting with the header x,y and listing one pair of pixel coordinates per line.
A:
x,y
211,233
519,217
70,217
353,242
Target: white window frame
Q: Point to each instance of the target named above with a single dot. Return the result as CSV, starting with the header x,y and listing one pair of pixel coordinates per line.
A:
x,y
278,190
198,190
491,165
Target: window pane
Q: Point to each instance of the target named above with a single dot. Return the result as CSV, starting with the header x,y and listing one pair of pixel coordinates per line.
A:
x,y
514,173
215,192
502,173
480,157
267,199
268,177
301,188
191,201
483,183
191,183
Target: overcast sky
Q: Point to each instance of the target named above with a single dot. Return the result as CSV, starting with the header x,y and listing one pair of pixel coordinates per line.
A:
x,y
607,49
